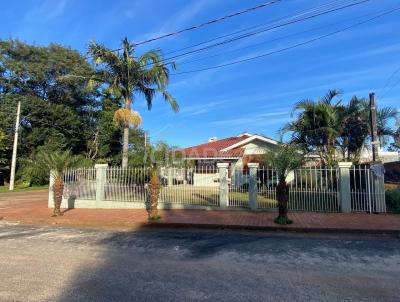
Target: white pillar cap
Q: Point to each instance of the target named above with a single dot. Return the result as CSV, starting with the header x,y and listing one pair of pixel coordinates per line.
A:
x,y
97,166
345,164
253,165
222,165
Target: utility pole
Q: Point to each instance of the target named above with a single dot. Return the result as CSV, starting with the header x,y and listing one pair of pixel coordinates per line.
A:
x,y
373,126
14,153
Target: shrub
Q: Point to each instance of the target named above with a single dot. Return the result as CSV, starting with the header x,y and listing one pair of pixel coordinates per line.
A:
x,y
393,200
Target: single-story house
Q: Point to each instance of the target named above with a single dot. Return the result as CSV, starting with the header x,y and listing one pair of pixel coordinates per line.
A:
x,y
237,151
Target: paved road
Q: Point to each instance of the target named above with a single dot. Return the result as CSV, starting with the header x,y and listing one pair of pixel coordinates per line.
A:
x,y
61,264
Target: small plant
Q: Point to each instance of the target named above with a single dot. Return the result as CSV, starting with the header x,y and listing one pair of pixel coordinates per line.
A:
x,y
284,159
282,220
56,163
393,200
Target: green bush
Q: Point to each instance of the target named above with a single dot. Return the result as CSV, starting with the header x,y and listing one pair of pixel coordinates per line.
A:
x,y
393,200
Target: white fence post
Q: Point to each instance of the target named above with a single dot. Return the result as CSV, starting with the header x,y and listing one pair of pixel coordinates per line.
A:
x,y
50,203
223,184
344,186
253,185
170,176
101,175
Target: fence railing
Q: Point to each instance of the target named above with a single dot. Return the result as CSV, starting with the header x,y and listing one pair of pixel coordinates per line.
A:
x,y
310,189
367,190
315,189
126,184
190,186
80,183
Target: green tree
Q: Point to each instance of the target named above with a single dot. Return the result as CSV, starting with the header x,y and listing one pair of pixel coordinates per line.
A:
x,y
128,76
55,109
284,158
317,126
354,129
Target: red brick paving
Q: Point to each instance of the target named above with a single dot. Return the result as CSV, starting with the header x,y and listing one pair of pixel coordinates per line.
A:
x,y
31,208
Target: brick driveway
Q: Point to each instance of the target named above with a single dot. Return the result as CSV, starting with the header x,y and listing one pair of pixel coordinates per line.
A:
x,y
31,208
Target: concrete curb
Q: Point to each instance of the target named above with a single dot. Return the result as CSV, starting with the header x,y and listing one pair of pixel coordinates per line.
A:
x,y
392,233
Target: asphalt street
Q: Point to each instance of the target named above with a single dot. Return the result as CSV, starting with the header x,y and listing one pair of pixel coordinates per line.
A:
x,y
67,264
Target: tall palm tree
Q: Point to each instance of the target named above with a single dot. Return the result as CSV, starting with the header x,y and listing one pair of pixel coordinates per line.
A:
x,y
128,76
353,120
283,159
317,125
57,163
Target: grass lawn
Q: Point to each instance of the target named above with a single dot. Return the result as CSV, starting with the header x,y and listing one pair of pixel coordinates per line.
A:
x,y
208,196
22,188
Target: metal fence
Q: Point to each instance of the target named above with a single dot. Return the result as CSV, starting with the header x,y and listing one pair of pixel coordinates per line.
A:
x,y
310,189
80,183
190,186
238,188
367,190
128,184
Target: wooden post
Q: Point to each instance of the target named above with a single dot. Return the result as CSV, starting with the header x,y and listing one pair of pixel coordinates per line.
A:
x,y
373,126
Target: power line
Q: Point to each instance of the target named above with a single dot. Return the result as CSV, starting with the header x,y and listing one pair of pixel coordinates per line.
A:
x,y
263,30
243,30
264,42
389,79
304,12
247,10
292,46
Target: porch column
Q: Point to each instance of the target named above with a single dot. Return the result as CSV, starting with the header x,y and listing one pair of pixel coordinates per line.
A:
x,y
101,175
344,186
223,184
253,185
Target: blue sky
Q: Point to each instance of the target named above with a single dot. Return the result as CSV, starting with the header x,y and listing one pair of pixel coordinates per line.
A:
x,y
256,96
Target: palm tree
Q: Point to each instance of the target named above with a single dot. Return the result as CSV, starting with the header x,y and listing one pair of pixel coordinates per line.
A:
x,y
384,117
127,76
317,126
353,120
56,163
284,159
154,193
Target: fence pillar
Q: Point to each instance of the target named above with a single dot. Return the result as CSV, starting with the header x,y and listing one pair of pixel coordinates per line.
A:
x,y
50,203
170,176
344,186
253,185
101,175
223,184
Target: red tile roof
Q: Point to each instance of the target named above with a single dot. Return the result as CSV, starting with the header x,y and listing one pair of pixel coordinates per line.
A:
x,y
213,149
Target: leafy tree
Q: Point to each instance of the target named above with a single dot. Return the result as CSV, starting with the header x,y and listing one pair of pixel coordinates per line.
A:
x,y
284,158
56,110
128,76
317,126
354,129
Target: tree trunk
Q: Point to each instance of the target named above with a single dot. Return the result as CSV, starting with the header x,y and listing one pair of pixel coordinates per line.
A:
x,y
58,188
125,147
154,192
282,195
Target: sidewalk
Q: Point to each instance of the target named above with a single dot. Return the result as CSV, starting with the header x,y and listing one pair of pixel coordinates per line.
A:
x,y
36,212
